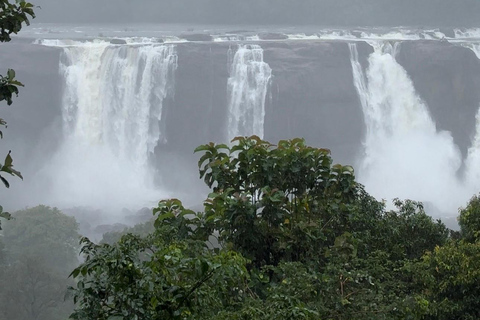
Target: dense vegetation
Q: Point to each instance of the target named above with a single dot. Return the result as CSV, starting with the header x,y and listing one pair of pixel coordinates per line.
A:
x,y
283,235
38,249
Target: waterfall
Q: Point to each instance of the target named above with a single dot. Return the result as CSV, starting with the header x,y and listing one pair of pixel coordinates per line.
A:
x,y
472,162
247,91
112,118
404,154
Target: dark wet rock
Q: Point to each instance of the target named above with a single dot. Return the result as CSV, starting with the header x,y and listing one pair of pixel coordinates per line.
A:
x,y
240,31
312,96
272,36
197,37
448,32
357,34
118,41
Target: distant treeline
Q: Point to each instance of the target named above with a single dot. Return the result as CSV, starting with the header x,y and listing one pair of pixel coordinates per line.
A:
x,y
461,13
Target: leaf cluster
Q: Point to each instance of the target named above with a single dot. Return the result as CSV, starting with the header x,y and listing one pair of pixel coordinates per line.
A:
x,y
166,275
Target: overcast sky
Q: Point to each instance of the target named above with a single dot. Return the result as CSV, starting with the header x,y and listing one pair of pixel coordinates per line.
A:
x,y
321,12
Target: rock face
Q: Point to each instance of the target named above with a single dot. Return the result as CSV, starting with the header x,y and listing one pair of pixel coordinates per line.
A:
x,y
313,96
196,37
272,36
197,112
118,41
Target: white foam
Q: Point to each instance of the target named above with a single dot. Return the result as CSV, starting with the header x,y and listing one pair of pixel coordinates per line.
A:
x,y
247,90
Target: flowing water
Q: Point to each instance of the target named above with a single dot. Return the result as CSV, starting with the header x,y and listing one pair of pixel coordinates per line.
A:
x,y
405,155
247,91
112,116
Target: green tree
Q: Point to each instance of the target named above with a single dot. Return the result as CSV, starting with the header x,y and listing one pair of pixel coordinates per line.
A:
x,y
142,230
40,250
32,290
166,275
469,220
45,233
408,232
448,279
268,200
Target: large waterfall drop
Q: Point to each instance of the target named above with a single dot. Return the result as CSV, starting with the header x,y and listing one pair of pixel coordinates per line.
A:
x,y
472,162
405,156
112,116
247,90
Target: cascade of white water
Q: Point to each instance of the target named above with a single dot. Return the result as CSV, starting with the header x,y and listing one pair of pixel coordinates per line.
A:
x,y
404,154
472,162
112,109
247,91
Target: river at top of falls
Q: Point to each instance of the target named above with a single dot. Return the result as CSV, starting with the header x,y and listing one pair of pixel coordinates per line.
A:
x,y
112,116
247,91
405,156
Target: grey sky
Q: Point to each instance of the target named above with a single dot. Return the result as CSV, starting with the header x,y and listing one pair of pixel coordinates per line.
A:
x,y
318,12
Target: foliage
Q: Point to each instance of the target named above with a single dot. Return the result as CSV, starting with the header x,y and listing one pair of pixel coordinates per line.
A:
x,y
31,290
8,168
409,232
449,278
43,232
283,235
267,199
469,220
13,16
39,250
141,230
166,275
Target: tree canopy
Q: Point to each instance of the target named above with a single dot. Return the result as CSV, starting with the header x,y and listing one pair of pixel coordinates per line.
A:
x,y
40,248
285,234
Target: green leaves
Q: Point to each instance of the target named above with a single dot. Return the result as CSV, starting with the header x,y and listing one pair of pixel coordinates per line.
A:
x,y
4,215
13,16
157,277
469,220
8,168
262,192
449,277
9,86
